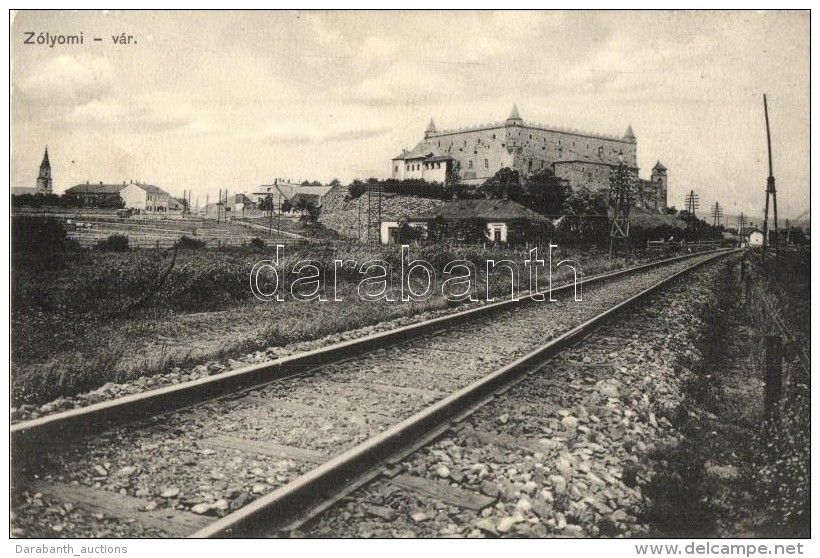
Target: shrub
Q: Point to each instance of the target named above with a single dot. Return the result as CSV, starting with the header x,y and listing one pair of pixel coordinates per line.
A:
x,y
257,243
114,243
37,234
187,243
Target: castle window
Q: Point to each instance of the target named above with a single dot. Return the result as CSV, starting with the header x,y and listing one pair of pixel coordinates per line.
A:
x,y
486,163
396,169
530,136
493,136
470,163
587,147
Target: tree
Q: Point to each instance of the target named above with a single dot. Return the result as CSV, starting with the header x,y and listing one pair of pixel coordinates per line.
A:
x,y
308,208
547,193
267,203
357,188
505,183
588,220
453,174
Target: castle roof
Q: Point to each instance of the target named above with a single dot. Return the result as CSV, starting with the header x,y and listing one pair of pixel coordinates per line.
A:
x,y
488,210
45,162
629,135
422,150
659,166
514,114
431,127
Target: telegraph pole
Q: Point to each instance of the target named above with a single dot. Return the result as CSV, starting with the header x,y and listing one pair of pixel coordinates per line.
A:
x,y
742,222
717,214
270,215
770,190
692,202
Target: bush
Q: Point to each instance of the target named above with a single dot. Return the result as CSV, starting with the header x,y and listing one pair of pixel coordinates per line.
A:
x,y
37,234
257,243
187,243
114,243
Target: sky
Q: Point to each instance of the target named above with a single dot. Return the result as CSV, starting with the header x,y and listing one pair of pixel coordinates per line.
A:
x,y
212,100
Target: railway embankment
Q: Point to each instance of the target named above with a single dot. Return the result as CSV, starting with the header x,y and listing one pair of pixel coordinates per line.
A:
x,y
600,443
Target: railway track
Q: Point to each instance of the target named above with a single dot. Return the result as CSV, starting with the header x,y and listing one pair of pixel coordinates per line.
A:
x,y
256,446
568,450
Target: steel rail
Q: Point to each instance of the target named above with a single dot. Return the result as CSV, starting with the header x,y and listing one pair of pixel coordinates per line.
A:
x,y
30,438
279,507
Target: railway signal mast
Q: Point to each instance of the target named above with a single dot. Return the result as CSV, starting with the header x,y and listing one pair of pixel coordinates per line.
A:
x,y
770,190
621,188
374,213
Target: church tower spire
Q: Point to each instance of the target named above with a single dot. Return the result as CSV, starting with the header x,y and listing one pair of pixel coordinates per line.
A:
x,y
44,185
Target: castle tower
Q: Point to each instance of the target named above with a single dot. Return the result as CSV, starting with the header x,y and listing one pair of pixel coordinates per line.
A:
x,y
659,179
44,178
431,129
514,119
630,135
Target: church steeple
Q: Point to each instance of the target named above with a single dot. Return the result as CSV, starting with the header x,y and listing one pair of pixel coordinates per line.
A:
x,y
44,177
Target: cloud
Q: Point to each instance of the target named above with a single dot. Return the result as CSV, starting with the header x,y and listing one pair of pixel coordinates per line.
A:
x,y
304,133
146,113
67,79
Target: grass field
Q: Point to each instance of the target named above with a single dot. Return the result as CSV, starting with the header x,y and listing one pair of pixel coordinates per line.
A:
x,y
81,318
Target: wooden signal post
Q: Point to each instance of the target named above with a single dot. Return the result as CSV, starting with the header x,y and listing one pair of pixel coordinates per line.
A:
x,y
770,190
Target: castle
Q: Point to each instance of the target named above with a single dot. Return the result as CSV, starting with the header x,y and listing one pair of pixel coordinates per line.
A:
x,y
478,152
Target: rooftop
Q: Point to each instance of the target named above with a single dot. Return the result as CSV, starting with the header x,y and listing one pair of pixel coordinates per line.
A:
x,y
489,210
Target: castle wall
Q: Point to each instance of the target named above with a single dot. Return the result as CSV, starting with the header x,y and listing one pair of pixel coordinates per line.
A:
x,y
538,148
583,159
484,151
481,152
584,174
